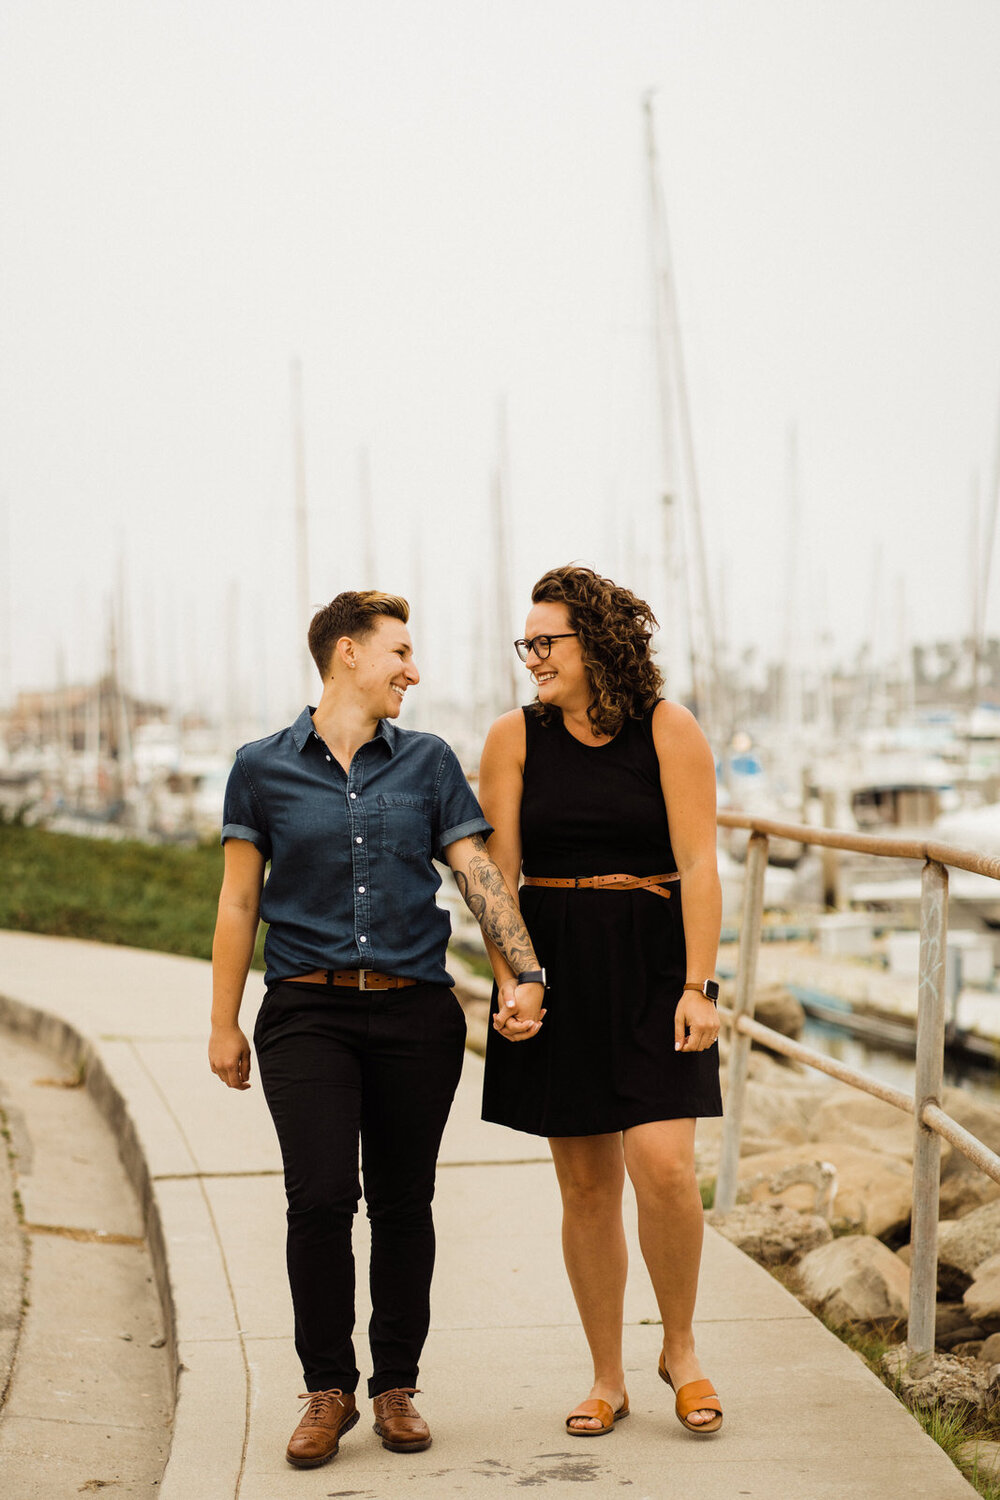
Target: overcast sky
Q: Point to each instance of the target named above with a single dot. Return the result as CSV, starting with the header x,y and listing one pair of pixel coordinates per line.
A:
x,y
437,205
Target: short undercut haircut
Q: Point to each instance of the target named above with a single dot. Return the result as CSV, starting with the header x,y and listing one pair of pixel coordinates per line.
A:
x,y
353,614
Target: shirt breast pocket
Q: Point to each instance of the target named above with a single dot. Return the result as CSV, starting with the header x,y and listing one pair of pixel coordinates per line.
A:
x,y
405,828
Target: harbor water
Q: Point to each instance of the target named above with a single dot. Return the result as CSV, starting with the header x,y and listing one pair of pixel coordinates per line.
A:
x,y
890,1066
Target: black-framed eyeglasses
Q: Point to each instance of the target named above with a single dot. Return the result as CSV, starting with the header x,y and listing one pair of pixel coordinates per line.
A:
x,y
540,644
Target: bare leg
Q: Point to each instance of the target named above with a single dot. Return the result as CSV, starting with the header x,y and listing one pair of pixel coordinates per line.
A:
x,y
659,1158
591,1173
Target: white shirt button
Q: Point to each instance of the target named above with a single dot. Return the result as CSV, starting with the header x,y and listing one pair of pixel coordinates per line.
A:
x,y
328,757
354,795
358,841
361,890
362,940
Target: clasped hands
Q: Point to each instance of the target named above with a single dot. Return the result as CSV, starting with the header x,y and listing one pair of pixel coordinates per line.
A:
x,y
520,1009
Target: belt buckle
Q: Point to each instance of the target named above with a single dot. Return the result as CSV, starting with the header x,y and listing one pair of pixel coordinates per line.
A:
x,y
361,980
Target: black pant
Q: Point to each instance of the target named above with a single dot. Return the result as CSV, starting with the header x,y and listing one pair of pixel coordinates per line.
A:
x,y
336,1065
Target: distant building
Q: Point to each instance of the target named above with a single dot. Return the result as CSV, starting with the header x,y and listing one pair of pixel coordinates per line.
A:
x,y
95,716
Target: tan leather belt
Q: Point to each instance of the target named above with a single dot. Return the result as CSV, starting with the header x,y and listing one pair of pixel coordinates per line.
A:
x,y
651,883
355,979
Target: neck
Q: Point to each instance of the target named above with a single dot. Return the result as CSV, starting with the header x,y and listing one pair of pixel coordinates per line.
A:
x,y
343,721
576,719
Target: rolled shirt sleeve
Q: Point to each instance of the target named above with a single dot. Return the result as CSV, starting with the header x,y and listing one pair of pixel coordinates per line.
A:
x,y
457,813
242,815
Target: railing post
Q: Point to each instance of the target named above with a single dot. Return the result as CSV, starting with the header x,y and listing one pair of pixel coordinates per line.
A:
x,y
739,1045
927,1144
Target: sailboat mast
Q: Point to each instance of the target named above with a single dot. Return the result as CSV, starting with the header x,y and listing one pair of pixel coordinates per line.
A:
x,y
675,405
303,611
369,574
983,590
506,681
6,654
792,705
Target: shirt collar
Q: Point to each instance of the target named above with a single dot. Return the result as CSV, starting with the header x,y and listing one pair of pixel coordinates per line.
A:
x,y
303,727
302,730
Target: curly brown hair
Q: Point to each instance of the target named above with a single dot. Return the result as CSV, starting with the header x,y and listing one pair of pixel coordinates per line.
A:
x,y
615,628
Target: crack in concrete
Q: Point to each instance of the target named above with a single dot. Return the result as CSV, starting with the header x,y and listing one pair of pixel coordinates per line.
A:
x,y
516,1161
213,1176
86,1236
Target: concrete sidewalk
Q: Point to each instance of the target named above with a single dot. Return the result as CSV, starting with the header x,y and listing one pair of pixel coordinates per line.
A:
x,y
505,1359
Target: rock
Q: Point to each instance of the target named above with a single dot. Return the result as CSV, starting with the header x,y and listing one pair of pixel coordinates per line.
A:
x,y
768,1067
951,1381
778,1008
855,1279
874,1193
818,1175
968,1349
770,1233
983,1297
979,1457
905,1253
779,1116
963,1186
964,1244
990,1352
965,1190
950,1316
965,1333
861,1120
778,1109
982,1120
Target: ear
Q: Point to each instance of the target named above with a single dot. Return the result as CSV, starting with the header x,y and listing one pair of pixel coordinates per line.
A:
x,y
344,654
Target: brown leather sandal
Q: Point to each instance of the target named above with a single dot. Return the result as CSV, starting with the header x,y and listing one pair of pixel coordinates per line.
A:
x,y
697,1395
602,1411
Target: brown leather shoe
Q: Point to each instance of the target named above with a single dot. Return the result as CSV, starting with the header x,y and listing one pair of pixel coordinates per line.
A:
x,y
317,1437
399,1424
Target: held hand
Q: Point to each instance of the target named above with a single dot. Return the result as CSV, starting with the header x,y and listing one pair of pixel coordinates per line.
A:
x,y
229,1056
520,1011
696,1023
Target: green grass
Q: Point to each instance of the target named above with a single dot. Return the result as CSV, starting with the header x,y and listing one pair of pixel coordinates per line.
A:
x,y
475,958
139,895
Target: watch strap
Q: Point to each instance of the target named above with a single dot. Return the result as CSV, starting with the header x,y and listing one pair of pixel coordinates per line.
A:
x,y
531,976
707,987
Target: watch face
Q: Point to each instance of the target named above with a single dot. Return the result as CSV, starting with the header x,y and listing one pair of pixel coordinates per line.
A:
x,y
711,990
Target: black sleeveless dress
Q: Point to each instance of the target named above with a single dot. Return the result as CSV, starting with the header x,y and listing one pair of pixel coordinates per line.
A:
x,y
604,1059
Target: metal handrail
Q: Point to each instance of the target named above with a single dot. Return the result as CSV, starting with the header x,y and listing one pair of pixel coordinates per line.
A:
x,y
931,1121
867,843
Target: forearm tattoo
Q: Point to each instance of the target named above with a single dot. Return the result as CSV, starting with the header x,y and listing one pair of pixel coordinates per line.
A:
x,y
486,895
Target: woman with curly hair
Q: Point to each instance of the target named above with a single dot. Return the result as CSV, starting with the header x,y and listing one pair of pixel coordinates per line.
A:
x,y
602,797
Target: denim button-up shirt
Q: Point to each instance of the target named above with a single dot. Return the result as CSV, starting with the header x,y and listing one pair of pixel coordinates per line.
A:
x,y
352,883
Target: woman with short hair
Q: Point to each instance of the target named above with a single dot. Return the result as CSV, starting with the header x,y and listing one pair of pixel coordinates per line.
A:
x,y
360,1038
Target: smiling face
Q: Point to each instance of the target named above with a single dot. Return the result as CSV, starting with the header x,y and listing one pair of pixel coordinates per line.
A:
x,y
561,677
382,666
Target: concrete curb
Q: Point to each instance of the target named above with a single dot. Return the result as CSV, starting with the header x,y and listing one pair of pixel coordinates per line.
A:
x,y
193,1461
173,1210
67,1044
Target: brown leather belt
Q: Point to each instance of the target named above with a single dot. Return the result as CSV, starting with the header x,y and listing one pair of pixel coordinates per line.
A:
x,y
651,883
355,979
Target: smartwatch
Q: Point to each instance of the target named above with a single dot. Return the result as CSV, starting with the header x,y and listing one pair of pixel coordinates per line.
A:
x,y
532,976
709,988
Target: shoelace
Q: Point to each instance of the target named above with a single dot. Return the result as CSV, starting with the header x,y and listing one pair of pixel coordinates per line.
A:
x,y
319,1404
397,1403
